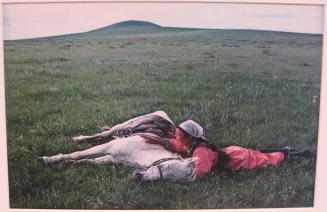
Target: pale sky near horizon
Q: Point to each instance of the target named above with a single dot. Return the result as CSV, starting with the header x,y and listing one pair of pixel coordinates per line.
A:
x,y
40,20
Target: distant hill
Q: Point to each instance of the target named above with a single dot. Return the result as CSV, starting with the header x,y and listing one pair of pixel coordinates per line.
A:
x,y
133,27
140,28
133,23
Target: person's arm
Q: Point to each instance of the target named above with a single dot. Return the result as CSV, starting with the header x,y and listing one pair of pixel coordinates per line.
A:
x,y
165,142
170,144
207,160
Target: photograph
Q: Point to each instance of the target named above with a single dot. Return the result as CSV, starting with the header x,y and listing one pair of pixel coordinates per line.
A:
x,y
162,105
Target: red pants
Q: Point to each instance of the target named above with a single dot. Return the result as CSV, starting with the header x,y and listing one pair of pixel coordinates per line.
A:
x,y
250,159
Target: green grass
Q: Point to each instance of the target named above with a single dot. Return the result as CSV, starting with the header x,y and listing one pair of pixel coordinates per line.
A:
x,y
254,89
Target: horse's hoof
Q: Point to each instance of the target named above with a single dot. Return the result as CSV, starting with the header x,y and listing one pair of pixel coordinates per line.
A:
x,y
45,159
78,138
106,128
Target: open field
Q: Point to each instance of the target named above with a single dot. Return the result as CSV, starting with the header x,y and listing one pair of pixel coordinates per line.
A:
x,y
251,88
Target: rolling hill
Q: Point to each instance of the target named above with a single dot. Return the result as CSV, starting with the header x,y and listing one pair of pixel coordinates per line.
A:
x,y
133,27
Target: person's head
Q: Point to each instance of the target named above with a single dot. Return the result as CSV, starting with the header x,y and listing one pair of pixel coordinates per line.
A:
x,y
190,129
194,135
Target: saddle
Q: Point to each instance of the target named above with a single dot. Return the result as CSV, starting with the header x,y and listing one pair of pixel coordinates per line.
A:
x,y
153,124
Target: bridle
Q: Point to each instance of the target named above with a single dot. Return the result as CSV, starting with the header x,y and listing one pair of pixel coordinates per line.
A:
x,y
157,162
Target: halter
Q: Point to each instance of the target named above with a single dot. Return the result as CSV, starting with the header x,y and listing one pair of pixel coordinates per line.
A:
x,y
157,162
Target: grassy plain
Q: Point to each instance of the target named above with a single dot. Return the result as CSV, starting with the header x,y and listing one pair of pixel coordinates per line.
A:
x,y
251,88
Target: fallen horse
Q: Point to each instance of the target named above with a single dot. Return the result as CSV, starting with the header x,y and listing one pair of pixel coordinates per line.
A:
x,y
152,161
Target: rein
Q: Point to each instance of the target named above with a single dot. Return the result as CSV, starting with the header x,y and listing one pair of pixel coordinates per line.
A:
x,y
157,162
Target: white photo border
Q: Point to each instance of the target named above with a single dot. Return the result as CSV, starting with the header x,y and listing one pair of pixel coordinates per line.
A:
x,y
320,194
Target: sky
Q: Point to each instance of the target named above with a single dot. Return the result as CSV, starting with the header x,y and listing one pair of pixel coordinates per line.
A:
x,y
40,20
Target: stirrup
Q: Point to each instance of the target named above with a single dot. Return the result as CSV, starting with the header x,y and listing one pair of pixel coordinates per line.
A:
x,y
125,132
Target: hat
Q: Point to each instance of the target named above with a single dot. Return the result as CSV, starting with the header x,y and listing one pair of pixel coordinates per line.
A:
x,y
192,128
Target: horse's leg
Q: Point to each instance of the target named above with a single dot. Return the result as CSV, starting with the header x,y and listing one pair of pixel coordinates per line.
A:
x,y
99,160
100,149
109,131
113,130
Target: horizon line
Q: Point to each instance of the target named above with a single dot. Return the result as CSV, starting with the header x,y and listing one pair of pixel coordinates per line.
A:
x,y
185,28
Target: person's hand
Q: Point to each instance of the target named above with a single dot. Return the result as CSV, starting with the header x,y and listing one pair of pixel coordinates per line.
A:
x,y
152,140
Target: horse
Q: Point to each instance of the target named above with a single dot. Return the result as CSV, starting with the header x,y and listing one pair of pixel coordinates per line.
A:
x,y
152,161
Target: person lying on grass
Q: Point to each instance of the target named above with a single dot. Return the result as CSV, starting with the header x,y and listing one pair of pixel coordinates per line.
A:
x,y
189,141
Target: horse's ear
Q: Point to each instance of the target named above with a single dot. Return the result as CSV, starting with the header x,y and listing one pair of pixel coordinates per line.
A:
x,y
192,160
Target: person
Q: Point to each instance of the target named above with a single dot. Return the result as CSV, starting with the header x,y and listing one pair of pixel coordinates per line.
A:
x,y
189,141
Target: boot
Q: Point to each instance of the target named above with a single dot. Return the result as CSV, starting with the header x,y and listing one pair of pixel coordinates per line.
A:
x,y
306,153
289,152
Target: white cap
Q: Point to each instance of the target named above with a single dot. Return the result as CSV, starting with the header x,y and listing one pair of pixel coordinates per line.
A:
x,y
192,128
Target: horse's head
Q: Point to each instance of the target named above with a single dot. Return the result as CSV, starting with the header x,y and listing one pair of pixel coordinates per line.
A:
x,y
177,169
